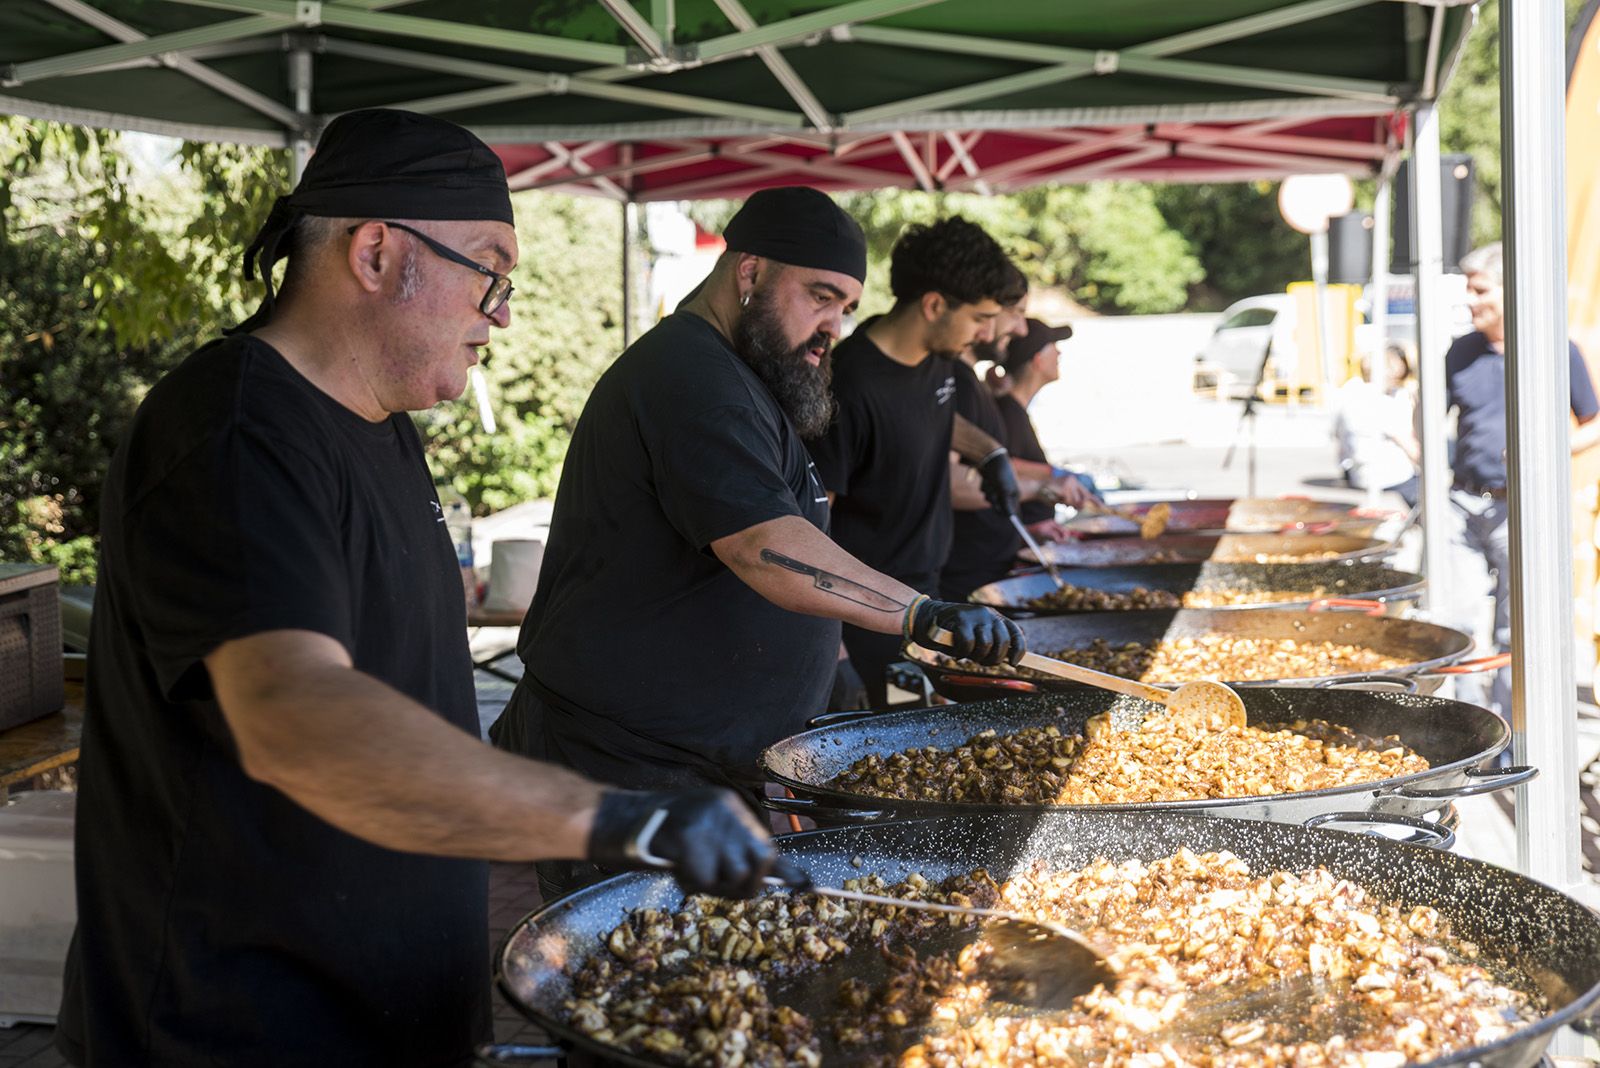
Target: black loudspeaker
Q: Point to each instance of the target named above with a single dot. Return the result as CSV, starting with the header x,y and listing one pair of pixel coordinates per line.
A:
x,y
1350,249
1456,189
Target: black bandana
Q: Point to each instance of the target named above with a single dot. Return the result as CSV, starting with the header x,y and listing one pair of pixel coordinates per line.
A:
x,y
799,226
382,164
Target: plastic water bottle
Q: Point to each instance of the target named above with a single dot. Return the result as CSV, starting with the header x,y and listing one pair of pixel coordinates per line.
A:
x,y
458,522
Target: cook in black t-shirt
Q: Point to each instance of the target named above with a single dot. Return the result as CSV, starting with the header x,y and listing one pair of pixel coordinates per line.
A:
x,y
685,612
281,768
885,457
983,543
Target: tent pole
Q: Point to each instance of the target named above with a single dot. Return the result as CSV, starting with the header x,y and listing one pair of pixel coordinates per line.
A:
x,y
1378,366
1432,339
627,273
300,85
1538,451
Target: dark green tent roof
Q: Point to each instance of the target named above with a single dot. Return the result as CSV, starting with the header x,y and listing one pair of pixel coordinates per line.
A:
x,y
713,73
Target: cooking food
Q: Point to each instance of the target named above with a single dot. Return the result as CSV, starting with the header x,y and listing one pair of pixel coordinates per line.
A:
x,y
1167,758
1200,944
1070,598
1213,656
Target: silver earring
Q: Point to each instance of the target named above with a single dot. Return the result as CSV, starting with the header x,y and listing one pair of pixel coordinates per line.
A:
x,y
744,300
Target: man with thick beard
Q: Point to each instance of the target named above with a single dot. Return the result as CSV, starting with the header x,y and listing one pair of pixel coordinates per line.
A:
x,y
687,613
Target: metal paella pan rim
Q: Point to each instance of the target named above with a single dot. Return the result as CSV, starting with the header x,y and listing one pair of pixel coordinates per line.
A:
x,y
1548,936
1455,738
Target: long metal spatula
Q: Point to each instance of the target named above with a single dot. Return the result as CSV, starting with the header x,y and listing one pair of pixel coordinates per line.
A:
x,y
1038,553
1054,961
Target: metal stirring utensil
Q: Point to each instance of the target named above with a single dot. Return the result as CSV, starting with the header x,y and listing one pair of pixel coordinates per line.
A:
x,y
1056,963
1038,553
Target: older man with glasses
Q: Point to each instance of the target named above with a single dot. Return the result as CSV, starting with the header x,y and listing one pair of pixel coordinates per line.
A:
x,y
284,802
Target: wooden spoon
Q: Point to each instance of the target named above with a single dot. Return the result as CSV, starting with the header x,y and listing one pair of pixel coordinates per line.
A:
x,y
1210,704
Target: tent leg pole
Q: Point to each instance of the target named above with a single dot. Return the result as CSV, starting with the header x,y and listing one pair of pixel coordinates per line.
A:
x,y
300,85
627,274
1538,452
1432,340
1378,368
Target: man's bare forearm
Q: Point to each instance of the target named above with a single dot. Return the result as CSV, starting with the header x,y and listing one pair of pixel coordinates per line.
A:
x,y
377,765
970,441
794,565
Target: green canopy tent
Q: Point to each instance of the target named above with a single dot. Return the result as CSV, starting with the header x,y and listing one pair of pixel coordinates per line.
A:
x,y
648,99
722,79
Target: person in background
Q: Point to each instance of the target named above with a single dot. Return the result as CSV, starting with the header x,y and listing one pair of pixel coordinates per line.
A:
x,y
1475,385
1031,362
984,543
884,458
1374,428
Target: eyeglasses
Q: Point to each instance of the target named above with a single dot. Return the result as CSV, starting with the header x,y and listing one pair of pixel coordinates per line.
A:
x,y
499,284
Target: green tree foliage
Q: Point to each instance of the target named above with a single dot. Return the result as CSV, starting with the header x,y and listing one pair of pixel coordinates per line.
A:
x,y
1237,231
1469,113
1106,244
109,277
566,328
68,390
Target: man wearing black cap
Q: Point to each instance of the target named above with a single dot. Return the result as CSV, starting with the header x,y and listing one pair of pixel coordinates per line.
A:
x,y
687,610
885,457
281,770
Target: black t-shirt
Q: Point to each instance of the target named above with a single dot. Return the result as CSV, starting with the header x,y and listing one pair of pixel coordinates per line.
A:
x,y
1475,385
886,456
651,657
1022,442
218,921
984,544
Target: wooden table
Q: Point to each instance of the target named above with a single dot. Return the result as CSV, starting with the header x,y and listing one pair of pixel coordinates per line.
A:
x,y
30,750
478,617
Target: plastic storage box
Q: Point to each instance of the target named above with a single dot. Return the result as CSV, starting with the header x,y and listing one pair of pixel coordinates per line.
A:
x,y
38,906
30,644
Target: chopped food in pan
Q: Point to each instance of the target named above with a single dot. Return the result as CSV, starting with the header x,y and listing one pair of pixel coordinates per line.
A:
x,y
1216,966
1234,658
1070,598
1167,758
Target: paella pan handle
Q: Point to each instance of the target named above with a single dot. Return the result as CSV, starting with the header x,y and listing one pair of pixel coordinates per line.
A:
x,y
1493,662
1424,833
1376,682
1365,605
1479,781
991,682
833,719
810,806
511,1053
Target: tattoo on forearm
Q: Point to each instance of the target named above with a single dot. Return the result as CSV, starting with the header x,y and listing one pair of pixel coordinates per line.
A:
x,y
837,585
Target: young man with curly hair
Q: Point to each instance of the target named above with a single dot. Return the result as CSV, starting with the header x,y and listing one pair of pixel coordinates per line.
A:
x,y
885,457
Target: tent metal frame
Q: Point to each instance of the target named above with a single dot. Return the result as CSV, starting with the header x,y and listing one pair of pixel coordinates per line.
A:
x,y
266,22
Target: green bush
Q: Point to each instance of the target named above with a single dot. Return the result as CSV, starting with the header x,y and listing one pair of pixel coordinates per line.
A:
x,y
1106,243
107,282
68,391
566,328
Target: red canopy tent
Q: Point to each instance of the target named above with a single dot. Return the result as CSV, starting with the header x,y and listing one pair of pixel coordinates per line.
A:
x,y
687,168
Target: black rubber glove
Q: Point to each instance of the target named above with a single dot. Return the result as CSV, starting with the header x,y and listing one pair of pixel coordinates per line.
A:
x,y
968,631
999,483
708,839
